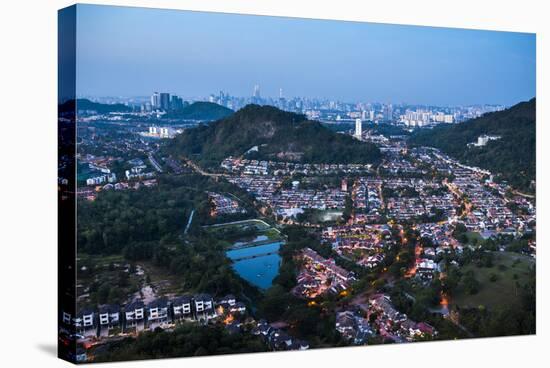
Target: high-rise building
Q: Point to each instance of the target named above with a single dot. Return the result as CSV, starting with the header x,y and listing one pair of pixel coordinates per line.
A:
x,y
448,119
388,113
165,101
358,128
146,107
176,103
222,98
256,93
155,100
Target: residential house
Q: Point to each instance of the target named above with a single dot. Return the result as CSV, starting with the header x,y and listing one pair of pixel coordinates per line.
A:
x,y
238,307
228,300
157,311
109,316
66,318
204,307
181,307
134,313
84,321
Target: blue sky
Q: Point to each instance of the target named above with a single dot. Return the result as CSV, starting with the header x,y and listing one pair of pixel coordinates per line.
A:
x,y
124,51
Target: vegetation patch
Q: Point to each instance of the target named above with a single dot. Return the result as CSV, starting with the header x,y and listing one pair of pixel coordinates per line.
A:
x,y
499,285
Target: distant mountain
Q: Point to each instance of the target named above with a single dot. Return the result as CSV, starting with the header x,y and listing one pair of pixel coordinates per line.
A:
x,y
512,156
85,104
206,111
279,135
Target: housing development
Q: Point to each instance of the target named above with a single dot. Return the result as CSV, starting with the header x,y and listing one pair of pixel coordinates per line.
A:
x,y
288,254
233,183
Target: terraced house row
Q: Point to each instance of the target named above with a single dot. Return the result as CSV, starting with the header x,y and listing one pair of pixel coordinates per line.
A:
x,y
137,316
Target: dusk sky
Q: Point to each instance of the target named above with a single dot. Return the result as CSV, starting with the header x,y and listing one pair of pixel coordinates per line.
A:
x,y
125,51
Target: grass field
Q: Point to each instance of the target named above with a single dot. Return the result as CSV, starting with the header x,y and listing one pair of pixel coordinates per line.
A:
x,y
100,260
259,224
509,268
272,234
251,229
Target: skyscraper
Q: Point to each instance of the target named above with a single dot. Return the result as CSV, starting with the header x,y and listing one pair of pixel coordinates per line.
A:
x,y
388,113
176,103
358,128
256,93
165,101
155,100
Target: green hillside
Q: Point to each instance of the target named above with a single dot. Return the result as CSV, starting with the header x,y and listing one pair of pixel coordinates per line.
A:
x,y
101,108
201,110
512,156
85,104
280,135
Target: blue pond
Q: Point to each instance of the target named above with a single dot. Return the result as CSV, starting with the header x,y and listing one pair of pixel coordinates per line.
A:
x,y
255,265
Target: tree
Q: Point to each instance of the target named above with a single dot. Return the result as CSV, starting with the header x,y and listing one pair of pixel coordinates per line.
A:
x,y
471,285
275,303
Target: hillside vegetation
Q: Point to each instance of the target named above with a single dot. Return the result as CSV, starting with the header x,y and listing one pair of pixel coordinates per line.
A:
x,y
100,108
512,156
279,135
200,110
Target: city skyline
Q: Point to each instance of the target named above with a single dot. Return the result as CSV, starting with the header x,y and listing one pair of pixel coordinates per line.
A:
x,y
138,98
132,51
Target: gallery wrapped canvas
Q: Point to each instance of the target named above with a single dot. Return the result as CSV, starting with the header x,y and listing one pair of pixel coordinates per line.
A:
x,y
235,183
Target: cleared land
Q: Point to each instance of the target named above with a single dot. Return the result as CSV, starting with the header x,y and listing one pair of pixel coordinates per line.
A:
x,y
106,279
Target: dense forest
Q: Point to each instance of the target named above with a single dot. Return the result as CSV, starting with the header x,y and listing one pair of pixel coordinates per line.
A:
x,y
200,110
279,135
186,340
118,219
100,108
148,225
375,128
512,156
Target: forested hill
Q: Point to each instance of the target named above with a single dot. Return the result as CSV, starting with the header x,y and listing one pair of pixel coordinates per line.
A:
x,y
279,135
200,110
100,108
512,156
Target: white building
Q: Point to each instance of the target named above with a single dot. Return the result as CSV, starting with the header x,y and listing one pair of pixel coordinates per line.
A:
x,y
134,313
358,128
449,119
160,132
482,140
182,307
157,310
155,100
111,178
109,316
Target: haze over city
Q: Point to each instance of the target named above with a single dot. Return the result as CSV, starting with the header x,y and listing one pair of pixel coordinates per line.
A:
x,y
125,51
